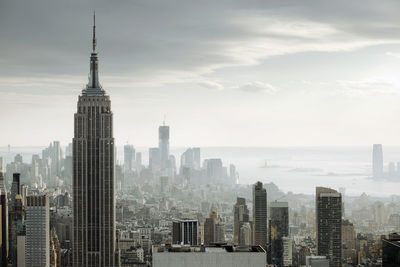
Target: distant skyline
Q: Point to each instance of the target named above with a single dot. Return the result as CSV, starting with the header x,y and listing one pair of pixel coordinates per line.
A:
x,y
226,73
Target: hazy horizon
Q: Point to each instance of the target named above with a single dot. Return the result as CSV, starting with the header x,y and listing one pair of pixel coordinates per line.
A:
x,y
292,169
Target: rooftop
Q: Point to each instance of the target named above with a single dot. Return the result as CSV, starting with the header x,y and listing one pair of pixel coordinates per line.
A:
x,y
207,249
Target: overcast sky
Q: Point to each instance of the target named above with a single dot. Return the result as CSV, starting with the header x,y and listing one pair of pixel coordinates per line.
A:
x,y
224,73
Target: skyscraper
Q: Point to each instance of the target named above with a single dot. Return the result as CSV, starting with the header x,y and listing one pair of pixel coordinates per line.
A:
x,y
377,161
185,231
138,162
240,216
214,229
163,145
154,159
37,231
328,207
129,158
209,230
93,175
15,186
4,222
391,250
15,227
214,170
279,228
260,215
232,174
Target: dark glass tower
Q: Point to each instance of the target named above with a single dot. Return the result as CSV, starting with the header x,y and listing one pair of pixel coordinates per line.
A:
x,y
260,218
278,229
4,222
328,206
93,175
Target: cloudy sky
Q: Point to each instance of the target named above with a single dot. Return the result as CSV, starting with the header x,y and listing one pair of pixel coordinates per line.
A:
x,y
224,73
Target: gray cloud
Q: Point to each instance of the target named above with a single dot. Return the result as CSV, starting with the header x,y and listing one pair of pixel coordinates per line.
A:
x,y
211,85
175,57
155,40
258,87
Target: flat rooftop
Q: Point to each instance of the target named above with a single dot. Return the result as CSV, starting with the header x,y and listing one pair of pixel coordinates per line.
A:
x,y
207,249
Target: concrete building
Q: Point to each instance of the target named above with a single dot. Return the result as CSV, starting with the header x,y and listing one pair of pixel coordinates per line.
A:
x,y
185,232
246,234
209,256
209,231
37,250
129,158
154,159
21,240
138,162
349,252
260,218
317,261
233,174
214,229
93,175
191,158
287,251
240,216
328,206
214,170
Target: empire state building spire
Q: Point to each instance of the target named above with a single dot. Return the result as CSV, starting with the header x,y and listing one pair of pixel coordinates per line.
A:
x,y
93,87
94,32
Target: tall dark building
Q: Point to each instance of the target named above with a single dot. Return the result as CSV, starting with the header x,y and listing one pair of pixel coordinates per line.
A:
x,y
16,227
391,250
328,206
93,175
15,217
15,186
185,231
377,161
260,219
279,228
4,222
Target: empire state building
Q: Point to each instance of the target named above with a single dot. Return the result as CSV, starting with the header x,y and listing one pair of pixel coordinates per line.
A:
x,y
93,174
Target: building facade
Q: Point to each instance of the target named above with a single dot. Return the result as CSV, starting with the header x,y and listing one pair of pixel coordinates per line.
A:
x,y
279,229
163,145
240,216
185,232
391,250
93,175
37,246
4,222
209,256
328,206
260,218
